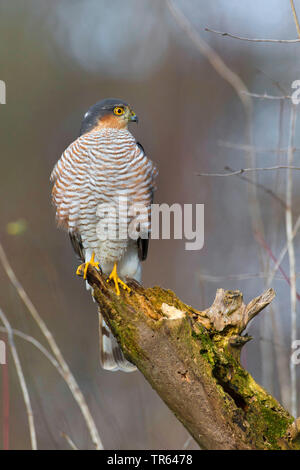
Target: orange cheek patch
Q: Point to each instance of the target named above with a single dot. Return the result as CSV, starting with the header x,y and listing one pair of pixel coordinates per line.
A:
x,y
111,121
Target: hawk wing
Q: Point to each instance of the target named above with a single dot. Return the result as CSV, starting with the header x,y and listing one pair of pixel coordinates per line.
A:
x,y
143,243
77,245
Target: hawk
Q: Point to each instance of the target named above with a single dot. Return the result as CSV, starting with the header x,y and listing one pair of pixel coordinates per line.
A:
x,y
103,166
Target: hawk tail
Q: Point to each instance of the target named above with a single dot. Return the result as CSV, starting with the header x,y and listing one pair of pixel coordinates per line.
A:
x,y
111,356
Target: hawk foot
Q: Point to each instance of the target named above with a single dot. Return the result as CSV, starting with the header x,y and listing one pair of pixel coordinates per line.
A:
x,y
84,267
114,276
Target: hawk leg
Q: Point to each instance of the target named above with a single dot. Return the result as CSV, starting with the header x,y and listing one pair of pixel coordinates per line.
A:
x,y
114,276
85,266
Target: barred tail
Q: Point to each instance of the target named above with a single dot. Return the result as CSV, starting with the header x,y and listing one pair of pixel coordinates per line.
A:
x,y
111,356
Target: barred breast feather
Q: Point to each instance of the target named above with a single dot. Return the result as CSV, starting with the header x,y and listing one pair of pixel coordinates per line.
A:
x,y
99,168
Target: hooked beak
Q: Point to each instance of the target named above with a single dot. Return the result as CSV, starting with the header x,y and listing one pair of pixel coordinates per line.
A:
x,y
133,117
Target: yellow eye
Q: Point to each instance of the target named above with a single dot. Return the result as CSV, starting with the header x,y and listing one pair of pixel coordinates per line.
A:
x,y
119,111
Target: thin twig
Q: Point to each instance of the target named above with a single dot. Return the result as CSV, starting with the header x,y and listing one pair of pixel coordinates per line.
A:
x,y
70,379
241,38
5,402
295,17
39,346
10,338
69,441
273,257
262,187
291,252
244,170
283,253
265,96
187,443
276,83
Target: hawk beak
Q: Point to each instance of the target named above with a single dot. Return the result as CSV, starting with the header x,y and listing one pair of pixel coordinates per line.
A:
x,y
133,117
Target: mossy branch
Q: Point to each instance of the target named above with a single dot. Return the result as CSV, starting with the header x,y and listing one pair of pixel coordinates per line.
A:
x,y
192,359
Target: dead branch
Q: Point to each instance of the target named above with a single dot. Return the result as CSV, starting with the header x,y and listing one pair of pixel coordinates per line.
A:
x,y
192,359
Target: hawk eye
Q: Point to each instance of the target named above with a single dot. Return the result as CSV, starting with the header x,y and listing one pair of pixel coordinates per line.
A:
x,y
119,111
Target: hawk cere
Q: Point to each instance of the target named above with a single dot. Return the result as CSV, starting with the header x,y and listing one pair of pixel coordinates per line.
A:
x,y
104,166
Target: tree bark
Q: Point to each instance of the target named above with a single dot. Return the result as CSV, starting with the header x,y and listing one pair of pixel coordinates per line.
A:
x,y
192,359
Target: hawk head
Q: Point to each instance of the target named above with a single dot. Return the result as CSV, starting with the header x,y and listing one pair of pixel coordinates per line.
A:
x,y
110,112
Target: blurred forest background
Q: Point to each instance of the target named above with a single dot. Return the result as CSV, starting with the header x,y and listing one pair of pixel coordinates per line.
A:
x,y
57,59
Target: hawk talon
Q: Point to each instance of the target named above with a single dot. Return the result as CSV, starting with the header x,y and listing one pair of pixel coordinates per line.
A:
x,y
114,276
85,266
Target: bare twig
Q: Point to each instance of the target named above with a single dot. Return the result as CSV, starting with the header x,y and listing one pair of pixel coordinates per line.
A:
x,y
276,83
22,380
283,253
295,17
291,251
273,257
241,38
187,443
262,187
265,96
5,403
69,441
244,170
39,346
70,379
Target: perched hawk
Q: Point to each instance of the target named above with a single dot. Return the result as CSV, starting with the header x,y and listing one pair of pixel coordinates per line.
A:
x,y
104,166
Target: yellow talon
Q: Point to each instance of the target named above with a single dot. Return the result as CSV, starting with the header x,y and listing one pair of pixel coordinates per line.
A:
x,y
114,276
85,266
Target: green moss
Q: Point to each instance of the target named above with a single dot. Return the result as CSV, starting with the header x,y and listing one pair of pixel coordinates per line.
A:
x,y
206,345
257,413
275,425
125,333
